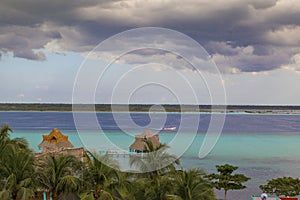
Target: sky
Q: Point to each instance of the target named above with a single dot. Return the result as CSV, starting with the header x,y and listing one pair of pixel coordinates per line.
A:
x,y
59,51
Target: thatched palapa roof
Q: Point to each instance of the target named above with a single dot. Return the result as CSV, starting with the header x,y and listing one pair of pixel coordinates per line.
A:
x,y
55,140
140,144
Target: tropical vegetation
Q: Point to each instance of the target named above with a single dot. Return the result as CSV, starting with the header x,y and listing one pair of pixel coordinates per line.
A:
x,y
284,186
16,167
226,180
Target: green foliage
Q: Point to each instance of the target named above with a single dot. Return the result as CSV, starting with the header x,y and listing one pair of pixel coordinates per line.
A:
x,y
156,162
4,133
87,196
105,196
124,188
16,167
286,186
101,174
157,188
226,180
172,197
56,174
192,185
5,195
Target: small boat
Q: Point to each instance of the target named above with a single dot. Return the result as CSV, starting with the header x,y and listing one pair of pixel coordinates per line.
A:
x,y
169,128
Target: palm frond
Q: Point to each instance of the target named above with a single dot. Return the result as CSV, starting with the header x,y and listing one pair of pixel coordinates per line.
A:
x,y
25,193
105,196
4,132
68,184
5,195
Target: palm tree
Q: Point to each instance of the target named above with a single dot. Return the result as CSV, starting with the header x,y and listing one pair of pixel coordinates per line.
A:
x,y
16,170
123,188
159,188
6,143
4,133
4,138
57,174
16,166
142,188
101,174
156,162
157,165
192,185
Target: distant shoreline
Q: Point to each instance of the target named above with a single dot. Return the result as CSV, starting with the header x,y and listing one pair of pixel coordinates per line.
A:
x,y
254,109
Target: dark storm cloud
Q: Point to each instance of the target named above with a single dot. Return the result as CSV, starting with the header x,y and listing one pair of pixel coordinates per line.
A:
x,y
259,25
29,25
32,12
225,28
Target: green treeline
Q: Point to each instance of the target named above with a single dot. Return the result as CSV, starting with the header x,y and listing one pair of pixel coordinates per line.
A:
x,y
142,107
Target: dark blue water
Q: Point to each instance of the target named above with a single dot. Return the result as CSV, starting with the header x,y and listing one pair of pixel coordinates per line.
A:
x,y
234,123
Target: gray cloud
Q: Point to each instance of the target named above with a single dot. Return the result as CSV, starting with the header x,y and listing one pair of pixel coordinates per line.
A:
x,y
29,54
25,42
258,4
271,28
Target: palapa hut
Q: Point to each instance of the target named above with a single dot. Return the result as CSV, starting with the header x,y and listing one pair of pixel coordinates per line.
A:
x,y
55,141
140,145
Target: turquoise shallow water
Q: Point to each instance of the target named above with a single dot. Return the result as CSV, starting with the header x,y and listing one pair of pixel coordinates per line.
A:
x,y
259,156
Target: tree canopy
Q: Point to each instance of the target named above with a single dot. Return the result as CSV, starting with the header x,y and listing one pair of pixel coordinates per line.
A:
x,y
226,180
285,186
16,167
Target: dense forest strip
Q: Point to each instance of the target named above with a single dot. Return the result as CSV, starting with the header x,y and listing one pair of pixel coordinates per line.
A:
x,y
147,107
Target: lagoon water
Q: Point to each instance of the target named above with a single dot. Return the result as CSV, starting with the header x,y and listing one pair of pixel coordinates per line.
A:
x,y
263,146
